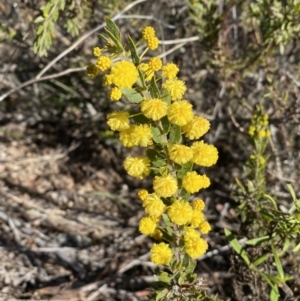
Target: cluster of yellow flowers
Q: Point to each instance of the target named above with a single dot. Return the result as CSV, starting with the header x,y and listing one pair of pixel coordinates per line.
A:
x,y
157,119
258,127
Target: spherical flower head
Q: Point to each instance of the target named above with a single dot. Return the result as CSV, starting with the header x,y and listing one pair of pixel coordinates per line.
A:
x,y
197,218
180,112
170,70
155,63
141,135
152,43
148,32
204,154
195,246
198,204
126,137
146,69
165,186
251,130
154,206
103,63
97,51
161,254
175,87
180,154
137,167
193,182
180,212
118,121
92,70
107,80
262,133
124,74
196,128
154,109
147,226
142,194
137,135
205,227
115,94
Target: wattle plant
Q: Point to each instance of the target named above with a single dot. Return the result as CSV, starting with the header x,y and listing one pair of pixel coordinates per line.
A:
x,y
164,124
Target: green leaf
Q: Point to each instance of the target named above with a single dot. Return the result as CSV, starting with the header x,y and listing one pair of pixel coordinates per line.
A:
x,y
140,118
237,246
132,95
157,135
165,124
142,78
191,267
154,91
278,262
119,46
164,277
272,200
267,279
274,295
40,29
39,19
260,260
165,96
161,294
175,134
258,240
113,28
185,168
297,248
134,56
182,278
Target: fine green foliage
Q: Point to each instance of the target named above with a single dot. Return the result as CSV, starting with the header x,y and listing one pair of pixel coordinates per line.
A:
x,y
75,14
271,232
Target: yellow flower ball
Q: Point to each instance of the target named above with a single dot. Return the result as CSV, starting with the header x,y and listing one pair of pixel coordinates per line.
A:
x,y
155,64
92,70
118,121
161,254
123,74
97,51
195,246
137,135
148,32
180,212
180,154
142,135
193,182
154,109
198,204
175,87
180,112
147,226
152,43
170,70
204,227
197,218
126,137
115,94
103,63
137,167
142,194
154,206
165,186
196,128
204,154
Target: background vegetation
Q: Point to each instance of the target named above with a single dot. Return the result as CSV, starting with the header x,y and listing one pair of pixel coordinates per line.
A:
x,y
68,211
